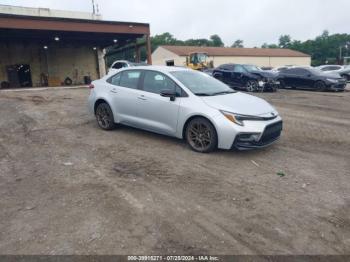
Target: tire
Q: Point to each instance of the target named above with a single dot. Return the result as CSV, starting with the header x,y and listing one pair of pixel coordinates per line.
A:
x,y
252,86
282,84
320,86
104,117
201,135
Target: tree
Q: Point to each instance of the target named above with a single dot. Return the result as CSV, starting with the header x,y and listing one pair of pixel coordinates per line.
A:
x,y
285,41
216,41
238,43
324,47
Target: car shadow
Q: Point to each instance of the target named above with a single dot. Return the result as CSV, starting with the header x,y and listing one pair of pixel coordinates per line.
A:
x,y
173,141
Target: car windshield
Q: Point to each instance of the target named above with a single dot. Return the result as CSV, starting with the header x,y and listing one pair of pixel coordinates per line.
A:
x,y
201,84
251,68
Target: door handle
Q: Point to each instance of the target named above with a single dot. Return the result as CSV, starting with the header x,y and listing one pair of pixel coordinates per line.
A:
x,y
114,91
143,98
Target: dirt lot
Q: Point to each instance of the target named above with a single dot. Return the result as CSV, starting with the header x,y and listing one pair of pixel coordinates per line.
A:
x,y
67,187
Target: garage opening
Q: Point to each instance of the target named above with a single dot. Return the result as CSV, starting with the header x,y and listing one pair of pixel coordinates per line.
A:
x,y
19,75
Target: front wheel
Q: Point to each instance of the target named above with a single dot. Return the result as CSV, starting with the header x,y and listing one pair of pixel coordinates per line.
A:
x,y
104,117
320,86
201,135
282,84
252,86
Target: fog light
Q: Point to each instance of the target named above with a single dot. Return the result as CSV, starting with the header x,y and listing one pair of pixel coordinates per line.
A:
x,y
249,137
261,83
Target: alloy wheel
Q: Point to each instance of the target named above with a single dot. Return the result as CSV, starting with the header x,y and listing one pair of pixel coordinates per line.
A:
x,y
252,86
104,117
200,136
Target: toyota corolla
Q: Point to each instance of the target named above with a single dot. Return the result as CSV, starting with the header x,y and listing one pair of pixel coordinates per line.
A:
x,y
186,104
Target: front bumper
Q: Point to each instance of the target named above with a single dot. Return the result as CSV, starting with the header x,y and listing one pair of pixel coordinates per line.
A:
x,y
337,87
228,132
269,85
271,134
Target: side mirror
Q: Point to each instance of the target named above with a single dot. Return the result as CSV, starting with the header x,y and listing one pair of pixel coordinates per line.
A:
x,y
168,93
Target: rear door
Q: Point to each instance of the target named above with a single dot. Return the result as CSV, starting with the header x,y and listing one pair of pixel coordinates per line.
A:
x,y
303,78
156,113
125,92
292,77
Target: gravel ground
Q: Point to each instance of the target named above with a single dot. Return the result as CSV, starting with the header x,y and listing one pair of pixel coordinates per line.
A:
x,y
67,187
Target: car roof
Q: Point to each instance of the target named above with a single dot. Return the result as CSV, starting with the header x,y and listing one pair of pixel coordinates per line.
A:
x,y
164,69
121,61
329,65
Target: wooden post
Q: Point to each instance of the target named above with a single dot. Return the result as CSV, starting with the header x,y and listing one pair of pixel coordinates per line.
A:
x,y
149,49
137,53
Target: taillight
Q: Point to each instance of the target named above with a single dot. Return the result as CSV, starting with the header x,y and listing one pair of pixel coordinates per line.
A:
x,y
91,86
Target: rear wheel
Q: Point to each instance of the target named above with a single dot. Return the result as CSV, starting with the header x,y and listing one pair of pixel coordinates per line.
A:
x,y
320,86
252,86
201,135
104,117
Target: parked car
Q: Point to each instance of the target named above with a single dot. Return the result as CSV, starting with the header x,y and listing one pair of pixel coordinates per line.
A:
x,y
282,68
266,68
327,68
246,77
311,78
345,73
119,64
342,70
186,104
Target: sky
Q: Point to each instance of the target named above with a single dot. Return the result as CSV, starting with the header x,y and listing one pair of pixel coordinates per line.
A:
x,y
253,21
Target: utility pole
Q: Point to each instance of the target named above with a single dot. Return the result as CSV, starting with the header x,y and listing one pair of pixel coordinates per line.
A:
x,y
93,7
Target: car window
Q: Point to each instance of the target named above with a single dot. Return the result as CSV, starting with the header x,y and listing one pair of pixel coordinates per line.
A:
x,y
155,82
227,67
238,69
200,83
130,79
117,65
114,80
297,71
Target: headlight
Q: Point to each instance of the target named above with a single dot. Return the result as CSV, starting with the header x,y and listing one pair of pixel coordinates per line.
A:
x,y
332,80
235,118
261,83
238,119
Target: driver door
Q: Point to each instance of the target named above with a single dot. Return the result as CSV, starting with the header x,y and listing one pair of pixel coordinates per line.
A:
x,y
238,76
156,113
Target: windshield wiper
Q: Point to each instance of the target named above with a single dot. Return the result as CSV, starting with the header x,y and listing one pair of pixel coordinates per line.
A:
x,y
223,93
203,94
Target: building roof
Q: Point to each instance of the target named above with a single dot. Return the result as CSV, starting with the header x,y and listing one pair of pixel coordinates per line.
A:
x,y
225,51
11,21
45,29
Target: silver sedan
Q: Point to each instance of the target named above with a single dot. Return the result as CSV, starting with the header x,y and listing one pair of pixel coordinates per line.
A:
x,y
185,104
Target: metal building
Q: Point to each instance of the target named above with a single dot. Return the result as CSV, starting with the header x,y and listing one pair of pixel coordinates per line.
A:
x,y
43,47
264,57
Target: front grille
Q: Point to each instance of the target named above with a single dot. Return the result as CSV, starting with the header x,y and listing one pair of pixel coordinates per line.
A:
x,y
271,133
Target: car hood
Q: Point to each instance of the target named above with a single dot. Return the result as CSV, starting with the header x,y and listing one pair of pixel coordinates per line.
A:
x,y
240,103
266,74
